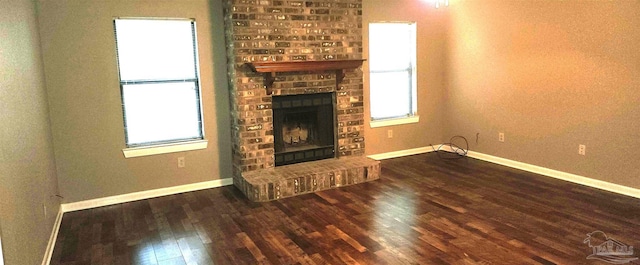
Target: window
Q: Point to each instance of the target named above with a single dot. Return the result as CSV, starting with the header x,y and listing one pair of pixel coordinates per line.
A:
x,y
392,68
157,63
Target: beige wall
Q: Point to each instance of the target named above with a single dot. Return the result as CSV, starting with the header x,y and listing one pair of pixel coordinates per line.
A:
x,y
550,75
27,168
86,114
431,51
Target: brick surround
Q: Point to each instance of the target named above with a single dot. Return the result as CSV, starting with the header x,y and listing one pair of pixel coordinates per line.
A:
x,y
272,30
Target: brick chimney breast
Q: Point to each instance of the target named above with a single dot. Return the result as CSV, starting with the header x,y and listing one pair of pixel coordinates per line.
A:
x,y
282,31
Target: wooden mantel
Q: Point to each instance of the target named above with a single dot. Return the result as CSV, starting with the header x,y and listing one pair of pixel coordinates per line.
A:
x,y
271,68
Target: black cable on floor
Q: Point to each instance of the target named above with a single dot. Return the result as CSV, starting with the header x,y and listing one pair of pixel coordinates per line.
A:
x,y
456,151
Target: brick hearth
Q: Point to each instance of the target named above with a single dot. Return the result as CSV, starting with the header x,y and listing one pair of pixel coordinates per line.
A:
x,y
288,31
291,180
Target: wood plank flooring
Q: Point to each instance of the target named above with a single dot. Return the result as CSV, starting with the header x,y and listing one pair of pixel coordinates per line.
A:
x,y
423,210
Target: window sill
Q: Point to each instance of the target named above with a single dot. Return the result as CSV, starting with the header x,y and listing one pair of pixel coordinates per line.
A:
x,y
391,122
164,149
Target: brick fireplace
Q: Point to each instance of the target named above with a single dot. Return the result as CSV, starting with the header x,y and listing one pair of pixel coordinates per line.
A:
x,y
282,53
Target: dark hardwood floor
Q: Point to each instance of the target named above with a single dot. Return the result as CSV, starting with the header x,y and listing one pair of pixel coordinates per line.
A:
x,y
423,210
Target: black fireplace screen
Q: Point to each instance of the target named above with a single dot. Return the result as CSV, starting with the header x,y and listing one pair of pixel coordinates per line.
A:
x,y
304,128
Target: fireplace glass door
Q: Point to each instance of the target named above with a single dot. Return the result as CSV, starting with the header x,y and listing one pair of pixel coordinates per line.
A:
x,y
304,128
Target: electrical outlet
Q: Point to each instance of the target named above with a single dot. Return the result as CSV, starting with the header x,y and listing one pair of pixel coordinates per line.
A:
x,y
389,133
181,162
582,149
501,137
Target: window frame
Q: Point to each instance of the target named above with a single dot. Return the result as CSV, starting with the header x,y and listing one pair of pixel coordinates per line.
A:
x,y
168,145
412,114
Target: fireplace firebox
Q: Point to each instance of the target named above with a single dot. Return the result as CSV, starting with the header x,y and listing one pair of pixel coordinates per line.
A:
x,y
304,128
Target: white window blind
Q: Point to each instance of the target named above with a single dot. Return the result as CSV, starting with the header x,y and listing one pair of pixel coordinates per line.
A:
x,y
392,67
157,62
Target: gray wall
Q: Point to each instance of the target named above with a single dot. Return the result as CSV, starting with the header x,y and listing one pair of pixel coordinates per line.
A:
x,y
28,180
86,115
551,75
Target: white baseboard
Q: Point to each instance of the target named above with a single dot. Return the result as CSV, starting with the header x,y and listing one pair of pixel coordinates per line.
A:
x,y
52,239
594,183
141,195
401,153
